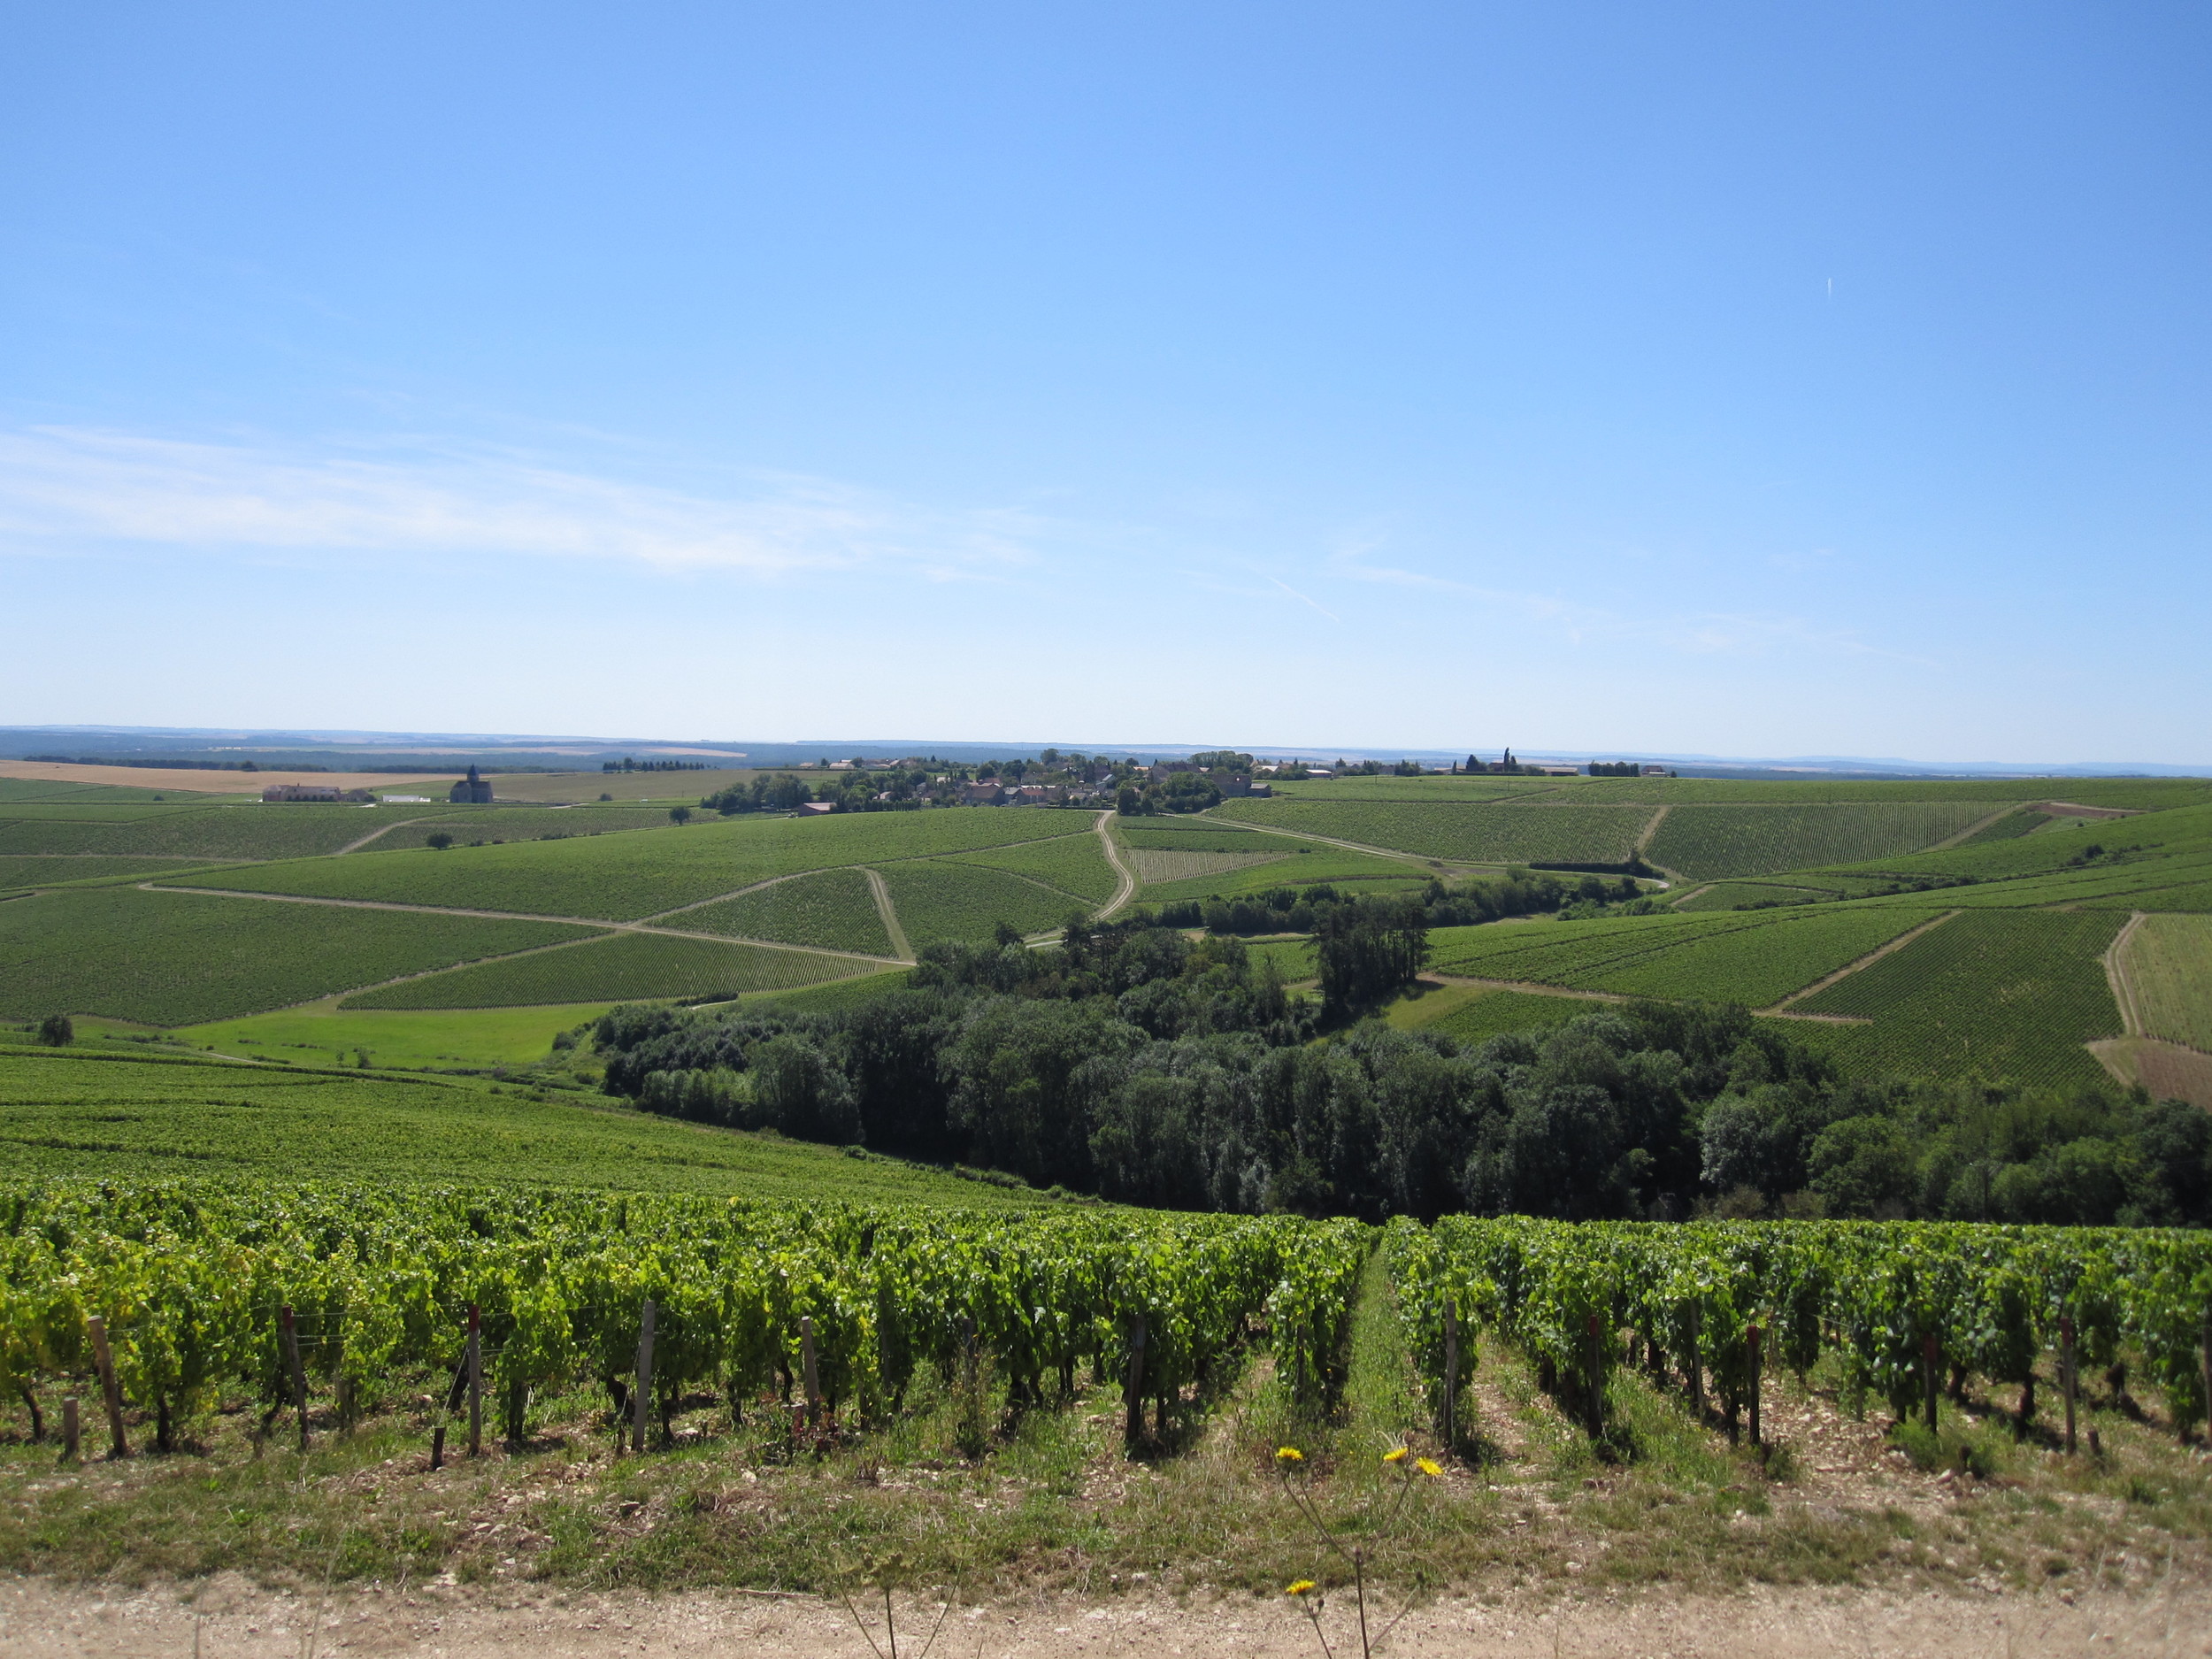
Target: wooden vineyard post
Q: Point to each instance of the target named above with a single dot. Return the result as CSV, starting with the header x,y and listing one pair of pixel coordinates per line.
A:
x,y
437,1447
476,1381
1751,1343
2204,1361
1133,1383
2066,1373
810,1373
1451,1371
97,1329
1931,1352
1597,1388
1697,1367
292,1366
641,1402
69,1427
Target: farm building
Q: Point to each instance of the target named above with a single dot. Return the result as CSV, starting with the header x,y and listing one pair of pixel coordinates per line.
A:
x,y
300,792
472,791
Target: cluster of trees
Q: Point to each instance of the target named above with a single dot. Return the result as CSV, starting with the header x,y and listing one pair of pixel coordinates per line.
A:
x,y
1960,1152
1615,769
1507,766
1178,792
1152,1068
628,764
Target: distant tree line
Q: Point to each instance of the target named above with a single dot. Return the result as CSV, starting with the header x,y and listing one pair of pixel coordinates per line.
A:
x,y
1519,892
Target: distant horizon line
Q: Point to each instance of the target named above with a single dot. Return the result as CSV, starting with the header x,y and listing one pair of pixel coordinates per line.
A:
x,y
762,748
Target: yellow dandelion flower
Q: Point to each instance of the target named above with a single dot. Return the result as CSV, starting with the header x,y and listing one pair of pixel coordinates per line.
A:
x,y
1304,1586
1396,1454
1289,1454
1429,1466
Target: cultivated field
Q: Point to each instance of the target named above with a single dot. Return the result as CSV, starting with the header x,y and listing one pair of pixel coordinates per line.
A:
x,y
177,959
151,1115
1702,843
1474,833
2167,964
2003,994
620,967
834,909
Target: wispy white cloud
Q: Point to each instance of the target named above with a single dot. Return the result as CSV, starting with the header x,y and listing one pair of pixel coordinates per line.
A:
x,y
63,488
1694,632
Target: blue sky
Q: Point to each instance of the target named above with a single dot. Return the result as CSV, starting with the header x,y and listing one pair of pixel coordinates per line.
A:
x,y
1728,379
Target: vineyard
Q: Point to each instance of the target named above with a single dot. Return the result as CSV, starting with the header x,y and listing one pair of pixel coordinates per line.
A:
x,y
1906,1310
201,1293
1074,864
939,898
832,909
1755,959
1700,843
2168,962
174,958
636,1389
612,969
1471,834
138,1115
627,876
2009,994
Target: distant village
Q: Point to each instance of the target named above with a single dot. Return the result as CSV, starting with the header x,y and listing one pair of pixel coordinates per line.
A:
x,y
1054,778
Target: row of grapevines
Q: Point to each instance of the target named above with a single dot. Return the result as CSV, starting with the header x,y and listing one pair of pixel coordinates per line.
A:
x,y
190,1277
1873,1292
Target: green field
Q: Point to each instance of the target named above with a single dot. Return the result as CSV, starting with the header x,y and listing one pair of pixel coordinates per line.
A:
x,y
1754,958
64,1113
1996,994
1157,868
1474,1014
1201,835
323,1033
468,824
1074,864
2181,832
626,967
253,829
1702,843
2146,793
1729,895
2018,822
833,908
21,791
628,876
832,996
2169,963
175,959
939,899
1473,833
38,870
1358,872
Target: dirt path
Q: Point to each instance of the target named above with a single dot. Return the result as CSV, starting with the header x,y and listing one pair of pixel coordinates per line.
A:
x,y
1532,986
881,890
383,829
1975,827
1126,889
1677,903
1850,968
2116,973
39,1620
525,916
1651,829
1399,854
